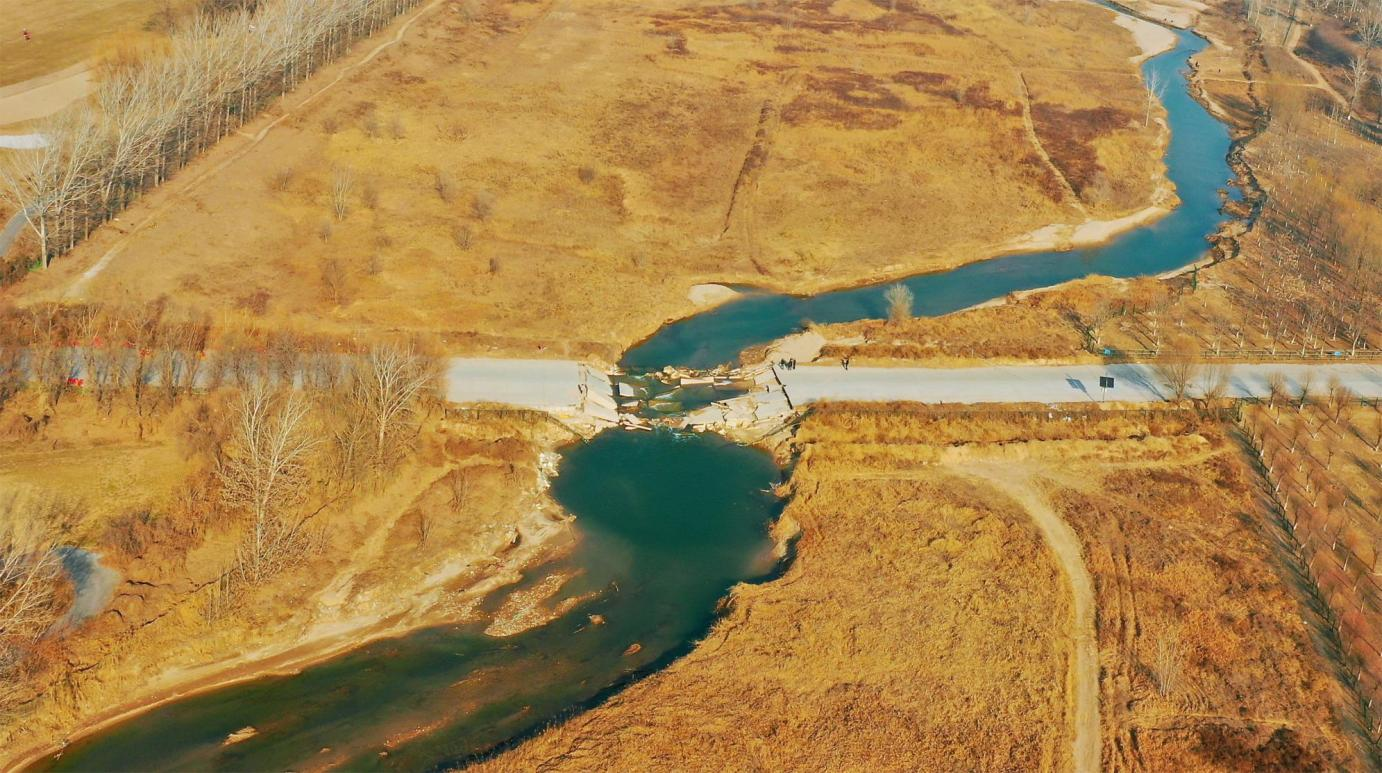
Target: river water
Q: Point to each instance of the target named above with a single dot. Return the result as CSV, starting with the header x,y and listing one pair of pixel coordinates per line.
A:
x,y
667,524
1196,161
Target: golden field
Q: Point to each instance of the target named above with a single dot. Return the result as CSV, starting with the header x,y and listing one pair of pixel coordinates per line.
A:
x,y
548,178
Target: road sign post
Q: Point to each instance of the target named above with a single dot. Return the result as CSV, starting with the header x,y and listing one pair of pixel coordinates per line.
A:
x,y
1105,384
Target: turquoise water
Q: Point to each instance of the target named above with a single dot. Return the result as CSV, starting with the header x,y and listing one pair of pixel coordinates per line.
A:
x,y
668,523
1196,161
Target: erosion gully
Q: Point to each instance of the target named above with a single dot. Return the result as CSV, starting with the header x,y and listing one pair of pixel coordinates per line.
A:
x,y
668,523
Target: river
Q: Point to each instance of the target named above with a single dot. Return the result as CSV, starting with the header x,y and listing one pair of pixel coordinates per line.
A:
x,y
667,523
1196,161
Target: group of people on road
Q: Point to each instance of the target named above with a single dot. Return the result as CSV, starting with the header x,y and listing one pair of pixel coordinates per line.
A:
x,y
791,364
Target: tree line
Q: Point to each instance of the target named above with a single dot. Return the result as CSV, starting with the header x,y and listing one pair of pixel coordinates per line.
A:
x,y
283,430
148,118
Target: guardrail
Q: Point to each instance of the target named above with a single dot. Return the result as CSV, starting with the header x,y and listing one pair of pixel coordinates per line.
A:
x,y
1255,355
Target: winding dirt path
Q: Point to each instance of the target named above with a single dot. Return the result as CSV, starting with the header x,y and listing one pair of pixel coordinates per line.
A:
x,y
1035,139
1320,82
1082,679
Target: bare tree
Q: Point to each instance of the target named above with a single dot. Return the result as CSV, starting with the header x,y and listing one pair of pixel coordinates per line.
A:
x,y
900,299
1155,89
1306,385
1178,366
30,571
153,115
1358,77
387,385
1276,388
342,185
1341,398
265,474
1088,319
1217,379
334,280
1167,668
47,185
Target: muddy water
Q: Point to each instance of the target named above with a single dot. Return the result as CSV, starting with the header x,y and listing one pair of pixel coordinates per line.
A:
x,y
1196,161
667,524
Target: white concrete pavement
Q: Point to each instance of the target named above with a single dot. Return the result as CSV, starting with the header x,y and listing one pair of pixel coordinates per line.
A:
x,y
544,384
558,384
1053,383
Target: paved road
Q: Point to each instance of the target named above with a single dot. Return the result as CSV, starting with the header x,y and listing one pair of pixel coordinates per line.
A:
x,y
547,384
556,383
1048,383
11,231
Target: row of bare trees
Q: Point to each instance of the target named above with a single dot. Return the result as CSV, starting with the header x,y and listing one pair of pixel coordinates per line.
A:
x,y
149,118
292,453
1327,500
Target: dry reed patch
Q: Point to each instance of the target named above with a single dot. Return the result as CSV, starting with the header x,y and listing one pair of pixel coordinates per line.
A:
x,y
1018,334
918,627
623,154
1207,664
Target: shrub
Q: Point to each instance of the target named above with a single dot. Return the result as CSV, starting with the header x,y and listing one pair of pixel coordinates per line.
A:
x,y
900,299
444,186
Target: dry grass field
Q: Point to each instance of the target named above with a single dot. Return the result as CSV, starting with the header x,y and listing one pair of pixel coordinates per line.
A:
x,y
1018,333
138,486
554,177
66,32
925,624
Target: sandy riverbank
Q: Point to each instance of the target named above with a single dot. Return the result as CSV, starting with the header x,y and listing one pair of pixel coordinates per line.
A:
x,y
1151,38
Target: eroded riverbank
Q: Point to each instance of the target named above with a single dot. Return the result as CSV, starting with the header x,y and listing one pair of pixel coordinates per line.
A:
x,y
667,524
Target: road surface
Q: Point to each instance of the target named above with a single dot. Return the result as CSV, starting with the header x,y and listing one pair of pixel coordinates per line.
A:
x,y
546,384
556,383
1051,383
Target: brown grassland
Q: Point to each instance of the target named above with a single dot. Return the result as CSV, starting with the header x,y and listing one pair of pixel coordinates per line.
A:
x,y
66,32
463,512
506,163
924,625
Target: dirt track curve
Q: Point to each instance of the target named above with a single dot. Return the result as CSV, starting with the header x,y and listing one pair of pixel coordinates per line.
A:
x,y
1082,679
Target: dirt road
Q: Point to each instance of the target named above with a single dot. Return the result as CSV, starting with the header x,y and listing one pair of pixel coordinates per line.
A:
x,y
44,95
1082,680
